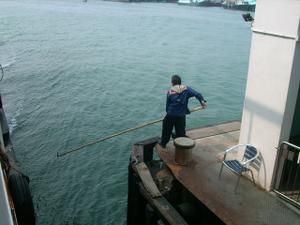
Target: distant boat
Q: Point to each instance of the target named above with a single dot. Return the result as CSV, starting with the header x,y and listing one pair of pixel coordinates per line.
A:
x,y
209,3
184,2
243,5
204,3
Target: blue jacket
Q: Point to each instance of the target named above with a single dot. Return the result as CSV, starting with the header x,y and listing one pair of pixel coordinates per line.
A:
x,y
177,100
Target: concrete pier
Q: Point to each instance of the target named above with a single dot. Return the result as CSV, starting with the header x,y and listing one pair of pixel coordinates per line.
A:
x,y
250,205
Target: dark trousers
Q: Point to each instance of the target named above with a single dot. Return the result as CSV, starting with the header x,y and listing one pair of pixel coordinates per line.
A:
x,y
168,123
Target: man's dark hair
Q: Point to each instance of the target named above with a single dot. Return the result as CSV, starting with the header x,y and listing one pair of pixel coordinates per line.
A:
x,y
176,80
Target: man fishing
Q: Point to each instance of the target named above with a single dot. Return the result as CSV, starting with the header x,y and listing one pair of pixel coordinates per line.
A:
x,y
177,108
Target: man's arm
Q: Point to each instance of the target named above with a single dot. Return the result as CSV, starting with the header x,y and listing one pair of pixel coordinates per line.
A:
x,y
167,102
197,95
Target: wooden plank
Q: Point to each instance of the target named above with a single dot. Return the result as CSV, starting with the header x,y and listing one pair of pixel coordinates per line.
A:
x,y
147,180
164,209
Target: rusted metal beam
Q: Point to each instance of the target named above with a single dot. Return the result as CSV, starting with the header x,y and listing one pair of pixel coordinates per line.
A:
x,y
147,180
163,208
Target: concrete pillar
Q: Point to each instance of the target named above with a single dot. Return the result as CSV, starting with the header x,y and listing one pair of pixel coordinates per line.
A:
x,y
273,81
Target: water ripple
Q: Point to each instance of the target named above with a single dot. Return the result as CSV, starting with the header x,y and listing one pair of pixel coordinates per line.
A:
x,y
76,72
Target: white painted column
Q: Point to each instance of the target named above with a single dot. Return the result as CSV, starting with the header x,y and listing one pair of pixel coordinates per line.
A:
x,y
273,81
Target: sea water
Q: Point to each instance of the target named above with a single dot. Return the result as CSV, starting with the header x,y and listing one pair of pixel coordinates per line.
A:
x,y
77,71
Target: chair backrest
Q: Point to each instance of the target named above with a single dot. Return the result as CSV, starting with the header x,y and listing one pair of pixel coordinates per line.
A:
x,y
250,152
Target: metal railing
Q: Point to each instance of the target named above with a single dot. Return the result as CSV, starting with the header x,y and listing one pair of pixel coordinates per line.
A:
x,y
287,180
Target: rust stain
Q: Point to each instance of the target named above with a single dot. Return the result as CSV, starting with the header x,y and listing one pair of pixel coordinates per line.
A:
x,y
195,179
201,177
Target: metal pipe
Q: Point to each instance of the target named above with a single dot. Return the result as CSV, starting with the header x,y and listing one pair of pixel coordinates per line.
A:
x,y
289,186
274,34
290,144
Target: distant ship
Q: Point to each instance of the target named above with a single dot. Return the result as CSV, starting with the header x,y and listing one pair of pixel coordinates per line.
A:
x,y
184,2
209,3
243,5
204,3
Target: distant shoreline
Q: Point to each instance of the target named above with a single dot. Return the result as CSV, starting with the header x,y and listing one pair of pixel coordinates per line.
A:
x,y
142,1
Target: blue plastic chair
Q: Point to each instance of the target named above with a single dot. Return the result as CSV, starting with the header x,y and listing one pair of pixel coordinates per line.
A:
x,y
240,166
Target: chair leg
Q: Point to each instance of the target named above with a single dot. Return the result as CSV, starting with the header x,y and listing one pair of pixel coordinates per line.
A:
x,y
221,171
237,183
252,177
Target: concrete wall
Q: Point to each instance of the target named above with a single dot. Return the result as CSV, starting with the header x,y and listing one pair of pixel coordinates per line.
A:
x,y
273,83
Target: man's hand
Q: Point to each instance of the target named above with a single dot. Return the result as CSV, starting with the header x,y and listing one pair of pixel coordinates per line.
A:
x,y
204,104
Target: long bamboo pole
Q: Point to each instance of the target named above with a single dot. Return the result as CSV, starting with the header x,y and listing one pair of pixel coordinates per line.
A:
x,y
117,134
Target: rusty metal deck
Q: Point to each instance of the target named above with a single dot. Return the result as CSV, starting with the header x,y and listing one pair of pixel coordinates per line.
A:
x,y
250,205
